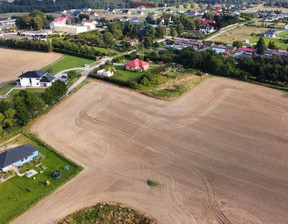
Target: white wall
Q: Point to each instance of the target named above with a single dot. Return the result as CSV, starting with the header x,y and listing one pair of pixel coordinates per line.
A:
x,y
26,82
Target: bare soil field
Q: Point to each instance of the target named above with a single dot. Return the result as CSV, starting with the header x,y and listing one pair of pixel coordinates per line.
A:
x,y
14,62
239,33
219,153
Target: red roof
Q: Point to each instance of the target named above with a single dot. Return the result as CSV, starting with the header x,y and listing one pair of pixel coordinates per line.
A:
x,y
246,49
88,20
216,14
61,19
137,63
206,21
218,9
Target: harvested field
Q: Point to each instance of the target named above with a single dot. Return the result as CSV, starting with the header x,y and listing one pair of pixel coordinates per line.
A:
x,y
219,153
14,62
239,33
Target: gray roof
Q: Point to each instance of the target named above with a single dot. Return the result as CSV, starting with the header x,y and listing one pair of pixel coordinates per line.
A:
x,y
33,74
47,79
14,155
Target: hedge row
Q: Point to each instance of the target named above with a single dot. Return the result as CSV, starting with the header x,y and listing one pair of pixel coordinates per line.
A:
x,y
74,54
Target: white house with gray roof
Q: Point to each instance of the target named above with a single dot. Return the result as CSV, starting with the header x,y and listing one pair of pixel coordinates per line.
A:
x,y
17,157
35,79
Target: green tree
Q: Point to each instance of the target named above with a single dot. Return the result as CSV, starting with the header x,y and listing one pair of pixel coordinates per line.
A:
x,y
36,12
37,23
72,74
148,42
179,29
238,43
173,32
260,46
160,31
108,39
272,45
145,82
201,6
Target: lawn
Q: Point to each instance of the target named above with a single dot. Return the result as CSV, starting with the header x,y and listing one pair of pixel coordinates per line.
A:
x,y
279,43
19,193
6,88
240,33
106,51
123,74
283,35
67,62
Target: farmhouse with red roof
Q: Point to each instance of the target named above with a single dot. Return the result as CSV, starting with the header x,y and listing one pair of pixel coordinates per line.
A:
x,y
137,65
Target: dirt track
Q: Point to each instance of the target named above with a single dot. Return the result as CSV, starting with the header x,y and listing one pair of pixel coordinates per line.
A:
x,y
14,62
219,152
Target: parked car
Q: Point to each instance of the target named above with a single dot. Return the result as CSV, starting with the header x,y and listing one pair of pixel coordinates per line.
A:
x,y
79,75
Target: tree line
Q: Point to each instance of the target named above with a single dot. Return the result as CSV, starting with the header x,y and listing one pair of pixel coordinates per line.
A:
x,y
54,6
27,44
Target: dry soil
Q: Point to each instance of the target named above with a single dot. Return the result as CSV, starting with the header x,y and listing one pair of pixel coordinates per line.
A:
x,y
219,153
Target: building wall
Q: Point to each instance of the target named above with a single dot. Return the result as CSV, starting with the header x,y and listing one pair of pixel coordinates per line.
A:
x,y
32,82
28,159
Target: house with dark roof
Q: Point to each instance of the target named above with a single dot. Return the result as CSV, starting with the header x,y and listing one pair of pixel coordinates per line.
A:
x,y
76,13
17,157
270,33
230,49
126,11
137,65
35,79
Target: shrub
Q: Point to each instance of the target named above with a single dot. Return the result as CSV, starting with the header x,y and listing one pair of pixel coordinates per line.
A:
x,y
152,183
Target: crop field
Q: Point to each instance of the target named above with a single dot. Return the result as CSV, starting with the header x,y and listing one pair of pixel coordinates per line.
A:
x,y
218,153
14,62
240,33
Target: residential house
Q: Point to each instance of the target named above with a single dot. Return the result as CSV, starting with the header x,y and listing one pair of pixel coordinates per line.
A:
x,y
91,24
134,20
71,29
270,33
133,42
179,11
76,13
208,43
137,65
111,11
140,13
35,79
230,49
59,21
63,11
268,53
286,27
93,15
118,18
8,23
126,12
105,73
207,21
218,9
282,54
169,10
206,29
245,50
17,157
219,49
216,14
125,18
141,7
86,9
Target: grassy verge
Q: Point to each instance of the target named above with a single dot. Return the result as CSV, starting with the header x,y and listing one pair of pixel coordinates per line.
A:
x,y
18,194
66,63
6,88
279,43
123,74
107,213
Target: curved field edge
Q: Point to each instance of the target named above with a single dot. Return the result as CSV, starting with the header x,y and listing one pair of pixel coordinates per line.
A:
x,y
56,185
108,212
